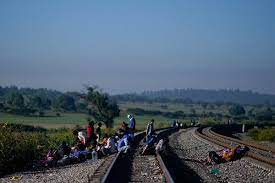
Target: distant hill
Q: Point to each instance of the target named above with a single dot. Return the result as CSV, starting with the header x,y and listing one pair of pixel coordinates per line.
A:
x,y
201,95
172,95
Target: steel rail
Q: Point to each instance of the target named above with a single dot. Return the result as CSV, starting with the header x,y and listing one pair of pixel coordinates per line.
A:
x,y
164,169
218,139
115,163
257,146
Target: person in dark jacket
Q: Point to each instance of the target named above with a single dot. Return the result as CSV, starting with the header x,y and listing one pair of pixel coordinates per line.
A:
x,y
150,128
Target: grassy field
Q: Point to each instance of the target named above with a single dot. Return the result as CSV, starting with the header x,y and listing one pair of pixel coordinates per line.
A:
x,y
169,107
70,120
142,121
49,121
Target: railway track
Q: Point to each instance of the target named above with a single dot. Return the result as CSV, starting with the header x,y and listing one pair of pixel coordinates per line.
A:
x,y
256,151
132,167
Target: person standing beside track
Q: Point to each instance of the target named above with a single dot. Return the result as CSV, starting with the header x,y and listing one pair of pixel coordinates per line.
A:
x,y
91,136
132,123
150,129
132,128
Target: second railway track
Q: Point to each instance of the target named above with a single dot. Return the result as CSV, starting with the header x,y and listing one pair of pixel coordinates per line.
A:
x,y
261,154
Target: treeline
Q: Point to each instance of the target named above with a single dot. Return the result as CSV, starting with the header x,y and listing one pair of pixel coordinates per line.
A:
x,y
28,101
139,111
236,112
200,96
174,115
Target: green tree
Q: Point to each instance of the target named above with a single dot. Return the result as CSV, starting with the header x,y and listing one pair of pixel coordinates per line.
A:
x,y
264,115
46,103
37,102
101,108
236,110
64,102
16,100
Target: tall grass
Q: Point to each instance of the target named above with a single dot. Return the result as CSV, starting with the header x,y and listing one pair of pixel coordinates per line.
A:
x,y
19,149
262,134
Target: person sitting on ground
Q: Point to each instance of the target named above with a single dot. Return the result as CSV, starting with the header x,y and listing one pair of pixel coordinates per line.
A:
x,y
124,128
123,143
104,140
78,143
78,155
50,159
160,146
82,138
109,147
120,133
63,150
226,155
149,147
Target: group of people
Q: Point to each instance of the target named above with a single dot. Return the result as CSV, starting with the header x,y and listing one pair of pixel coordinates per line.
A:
x,y
92,143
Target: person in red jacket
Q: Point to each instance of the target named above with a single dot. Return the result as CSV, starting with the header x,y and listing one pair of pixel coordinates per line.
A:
x,y
91,138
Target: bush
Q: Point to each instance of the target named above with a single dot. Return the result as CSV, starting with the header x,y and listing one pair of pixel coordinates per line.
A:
x,y
262,134
56,139
22,128
109,131
236,110
22,145
264,115
208,121
19,149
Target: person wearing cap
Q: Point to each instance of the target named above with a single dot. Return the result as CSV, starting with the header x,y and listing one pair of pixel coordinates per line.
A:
x,y
132,123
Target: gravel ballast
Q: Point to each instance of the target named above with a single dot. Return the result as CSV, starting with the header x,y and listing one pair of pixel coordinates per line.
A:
x,y
191,150
70,173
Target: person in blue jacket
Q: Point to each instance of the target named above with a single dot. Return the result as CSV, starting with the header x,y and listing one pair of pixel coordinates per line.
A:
x,y
132,123
132,128
123,143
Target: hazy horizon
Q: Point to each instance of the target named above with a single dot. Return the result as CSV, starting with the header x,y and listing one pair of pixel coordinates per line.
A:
x,y
112,92
132,46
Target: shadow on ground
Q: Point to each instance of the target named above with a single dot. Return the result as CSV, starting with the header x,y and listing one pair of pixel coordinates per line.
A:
x,y
179,171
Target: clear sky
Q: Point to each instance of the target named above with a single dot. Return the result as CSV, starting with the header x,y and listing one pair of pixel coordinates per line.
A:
x,y
126,46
